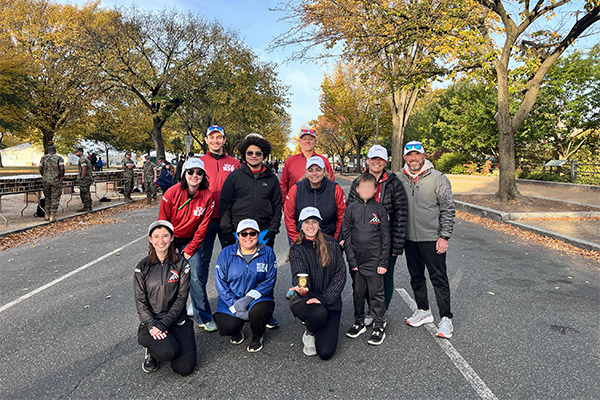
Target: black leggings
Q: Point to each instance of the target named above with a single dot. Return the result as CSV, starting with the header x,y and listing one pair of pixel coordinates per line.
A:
x,y
259,314
324,323
179,346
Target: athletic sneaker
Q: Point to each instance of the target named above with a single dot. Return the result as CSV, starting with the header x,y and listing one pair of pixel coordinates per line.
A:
x,y
150,363
237,339
190,311
209,326
273,323
356,330
255,345
310,348
369,319
420,317
377,337
445,328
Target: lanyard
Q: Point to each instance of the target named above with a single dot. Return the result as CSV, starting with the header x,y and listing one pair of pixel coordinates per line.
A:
x,y
181,206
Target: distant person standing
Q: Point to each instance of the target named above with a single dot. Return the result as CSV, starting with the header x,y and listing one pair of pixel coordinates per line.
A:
x,y
178,169
276,166
149,179
295,166
52,169
100,164
165,178
84,180
94,161
430,223
128,165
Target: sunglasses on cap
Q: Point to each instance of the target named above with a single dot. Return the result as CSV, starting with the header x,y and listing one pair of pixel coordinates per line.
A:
x,y
254,153
245,234
198,172
215,128
415,146
307,131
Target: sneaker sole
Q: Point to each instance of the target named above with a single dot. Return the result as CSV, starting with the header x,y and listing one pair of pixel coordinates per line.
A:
x,y
309,353
377,343
238,342
203,326
422,322
255,350
272,326
441,335
363,330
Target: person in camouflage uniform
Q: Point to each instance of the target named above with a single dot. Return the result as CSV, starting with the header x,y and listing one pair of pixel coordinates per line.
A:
x,y
128,165
52,169
84,180
149,177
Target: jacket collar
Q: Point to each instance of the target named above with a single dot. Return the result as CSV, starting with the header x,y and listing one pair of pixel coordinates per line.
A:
x,y
263,172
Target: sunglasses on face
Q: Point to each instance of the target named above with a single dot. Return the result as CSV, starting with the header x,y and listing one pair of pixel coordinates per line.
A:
x,y
245,234
415,146
254,153
198,172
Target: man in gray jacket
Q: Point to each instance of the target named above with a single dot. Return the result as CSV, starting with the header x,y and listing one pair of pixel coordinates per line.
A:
x,y
429,227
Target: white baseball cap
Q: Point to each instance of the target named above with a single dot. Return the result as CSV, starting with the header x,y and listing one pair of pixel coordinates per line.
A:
x,y
247,223
158,223
315,160
414,145
378,151
308,213
193,163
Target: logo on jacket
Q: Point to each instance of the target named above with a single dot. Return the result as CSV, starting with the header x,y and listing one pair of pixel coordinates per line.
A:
x,y
228,167
375,220
174,276
261,267
264,184
198,211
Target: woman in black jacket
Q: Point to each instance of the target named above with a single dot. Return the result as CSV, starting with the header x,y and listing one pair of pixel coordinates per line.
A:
x,y
161,286
319,303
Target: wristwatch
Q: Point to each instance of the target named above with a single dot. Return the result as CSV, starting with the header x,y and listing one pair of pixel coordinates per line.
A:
x,y
445,237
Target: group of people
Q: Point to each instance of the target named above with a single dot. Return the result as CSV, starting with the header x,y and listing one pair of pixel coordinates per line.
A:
x,y
384,215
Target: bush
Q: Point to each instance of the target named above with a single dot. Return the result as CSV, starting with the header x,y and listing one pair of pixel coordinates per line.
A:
x,y
458,169
547,176
588,179
449,160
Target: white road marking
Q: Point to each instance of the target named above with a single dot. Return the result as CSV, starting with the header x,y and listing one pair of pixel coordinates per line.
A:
x,y
470,375
62,278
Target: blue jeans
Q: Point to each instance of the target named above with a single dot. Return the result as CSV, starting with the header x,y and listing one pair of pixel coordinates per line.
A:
x,y
199,277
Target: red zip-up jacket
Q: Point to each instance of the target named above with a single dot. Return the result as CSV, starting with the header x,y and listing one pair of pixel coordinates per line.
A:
x,y
190,220
295,168
217,170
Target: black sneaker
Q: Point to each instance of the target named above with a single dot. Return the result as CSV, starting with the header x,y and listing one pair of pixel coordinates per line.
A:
x,y
356,330
237,339
273,323
255,345
150,363
377,337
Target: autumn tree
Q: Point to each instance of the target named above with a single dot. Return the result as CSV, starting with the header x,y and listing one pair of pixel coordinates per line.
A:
x,y
331,139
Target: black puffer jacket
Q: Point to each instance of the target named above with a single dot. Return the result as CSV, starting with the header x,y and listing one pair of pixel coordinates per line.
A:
x,y
161,291
393,198
244,196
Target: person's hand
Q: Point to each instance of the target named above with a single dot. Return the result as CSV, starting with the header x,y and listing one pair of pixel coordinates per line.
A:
x,y
355,269
441,246
342,243
313,301
299,290
186,255
157,334
381,270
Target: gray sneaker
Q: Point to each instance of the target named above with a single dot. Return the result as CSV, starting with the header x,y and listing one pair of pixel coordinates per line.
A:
x,y
309,344
369,319
445,328
420,317
209,326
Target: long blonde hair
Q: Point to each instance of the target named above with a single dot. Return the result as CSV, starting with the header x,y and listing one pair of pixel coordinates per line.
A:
x,y
321,244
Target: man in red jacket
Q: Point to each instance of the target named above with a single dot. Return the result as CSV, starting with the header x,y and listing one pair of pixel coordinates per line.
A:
x,y
295,166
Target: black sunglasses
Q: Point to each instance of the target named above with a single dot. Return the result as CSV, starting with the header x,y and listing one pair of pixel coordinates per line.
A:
x,y
254,153
198,172
251,234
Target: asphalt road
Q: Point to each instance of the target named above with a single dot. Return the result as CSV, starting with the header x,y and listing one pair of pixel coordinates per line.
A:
x,y
526,326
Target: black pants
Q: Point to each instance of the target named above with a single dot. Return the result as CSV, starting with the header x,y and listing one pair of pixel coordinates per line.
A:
x,y
179,346
418,256
259,314
371,288
323,323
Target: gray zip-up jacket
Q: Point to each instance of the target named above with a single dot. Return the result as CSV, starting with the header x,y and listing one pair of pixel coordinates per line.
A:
x,y
430,205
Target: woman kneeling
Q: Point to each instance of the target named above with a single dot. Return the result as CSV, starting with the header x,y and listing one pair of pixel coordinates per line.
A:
x,y
162,285
245,277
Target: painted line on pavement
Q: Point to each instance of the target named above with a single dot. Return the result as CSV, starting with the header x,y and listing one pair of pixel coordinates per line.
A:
x,y
62,278
470,375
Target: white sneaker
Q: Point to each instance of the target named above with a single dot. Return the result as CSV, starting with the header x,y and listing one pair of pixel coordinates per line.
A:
x,y
190,310
309,344
420,317
445,328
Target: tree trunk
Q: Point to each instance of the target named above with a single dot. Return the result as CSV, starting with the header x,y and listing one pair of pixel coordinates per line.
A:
x,y
159,145
1,165
507,188
402,102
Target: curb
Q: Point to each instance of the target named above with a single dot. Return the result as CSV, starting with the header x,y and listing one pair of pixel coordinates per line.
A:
x,y
500,216
26,228
561,185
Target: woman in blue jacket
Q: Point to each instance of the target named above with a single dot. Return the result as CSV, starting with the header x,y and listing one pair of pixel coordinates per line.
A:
x,y
245,276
